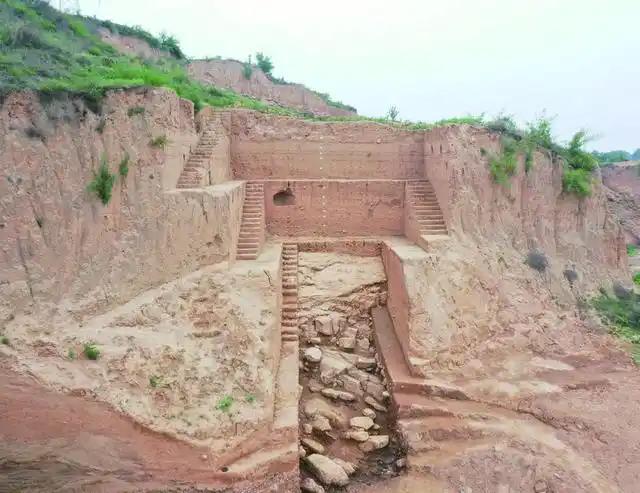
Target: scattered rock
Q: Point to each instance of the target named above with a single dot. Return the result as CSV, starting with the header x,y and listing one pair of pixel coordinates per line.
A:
x,y
302,452
204,457
374,443
357,435
347,343
324,325
363,344
375,404
361,422
326,470
348,467
315,386
369,413
311,444
332,365
385,394
352,385
313,355
310,486
307,428
401,463
375,389
375,427
321,423
314,340
540,486
366,363
319,407
338,395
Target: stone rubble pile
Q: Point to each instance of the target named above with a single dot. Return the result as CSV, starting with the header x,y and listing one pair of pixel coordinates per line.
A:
x,y
345,399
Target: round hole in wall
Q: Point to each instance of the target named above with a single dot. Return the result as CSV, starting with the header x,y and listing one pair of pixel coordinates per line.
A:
x,y
284,197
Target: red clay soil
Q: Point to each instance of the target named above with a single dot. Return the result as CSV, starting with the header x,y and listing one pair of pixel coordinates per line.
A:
x,y
56,442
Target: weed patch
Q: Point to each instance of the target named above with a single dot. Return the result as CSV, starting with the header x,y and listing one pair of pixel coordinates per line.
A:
x,y
159,142
123,167
102,183
135,110
622,315
91,351
225,403
4,340
154,381
537,260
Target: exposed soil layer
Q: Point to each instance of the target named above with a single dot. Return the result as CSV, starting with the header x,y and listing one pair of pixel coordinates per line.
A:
x,y
344,406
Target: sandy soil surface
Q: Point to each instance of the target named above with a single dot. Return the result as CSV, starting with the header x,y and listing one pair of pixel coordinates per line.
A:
x,y
170,356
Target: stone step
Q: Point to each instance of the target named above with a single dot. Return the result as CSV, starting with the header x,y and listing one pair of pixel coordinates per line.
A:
x,y
290,292
246,256
289,331
290,338
289,322
290,316
290,308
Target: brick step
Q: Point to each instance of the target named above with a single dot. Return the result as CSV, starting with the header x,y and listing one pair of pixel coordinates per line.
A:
x,y
245,244
434,232
289,323
290,292
247,251
290,338
290,308
242,256
289,331
290,316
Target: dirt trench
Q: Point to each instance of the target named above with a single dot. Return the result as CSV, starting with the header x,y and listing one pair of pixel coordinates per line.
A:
x,y
345,410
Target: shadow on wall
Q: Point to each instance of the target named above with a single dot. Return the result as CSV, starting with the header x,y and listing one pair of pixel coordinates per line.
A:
x,y
284,197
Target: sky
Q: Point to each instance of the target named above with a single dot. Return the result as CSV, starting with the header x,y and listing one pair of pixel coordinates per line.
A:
x,y
574,60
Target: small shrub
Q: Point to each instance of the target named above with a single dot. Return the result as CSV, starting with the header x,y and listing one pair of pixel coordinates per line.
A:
x,y
160,142
264,63
40,221
91,351
250,398
123,167
225,403
632,250
636,279
71,354
577,181
4,340
154,381
247,69
170,43
392,113
537,260
503,166
135,110
102,183
78,27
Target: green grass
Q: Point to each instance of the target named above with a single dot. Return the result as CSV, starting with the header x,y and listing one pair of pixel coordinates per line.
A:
x,y
91,351
135,110
71,354
159,142
636,279
632,250
154,381
123,167
623,318
250,398
225,403
102,183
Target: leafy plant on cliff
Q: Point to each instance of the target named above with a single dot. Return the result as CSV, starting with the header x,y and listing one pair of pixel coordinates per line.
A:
x,y
632,250
123,167
91,351
102,183
247,69
225,403
160,141
264,63
622,315
503,166
579,166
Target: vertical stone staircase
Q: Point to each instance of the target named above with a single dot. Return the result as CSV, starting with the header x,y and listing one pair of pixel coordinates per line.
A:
x,y
195,173
424,210
289,292
252,229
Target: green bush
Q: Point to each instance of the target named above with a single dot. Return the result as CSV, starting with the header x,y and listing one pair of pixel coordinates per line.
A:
x,y
577,181
264,63
4,340
632,250
623,317
123,167
247,69
91,351
503,166
160,142
636,279
225,403
170,43
102,183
